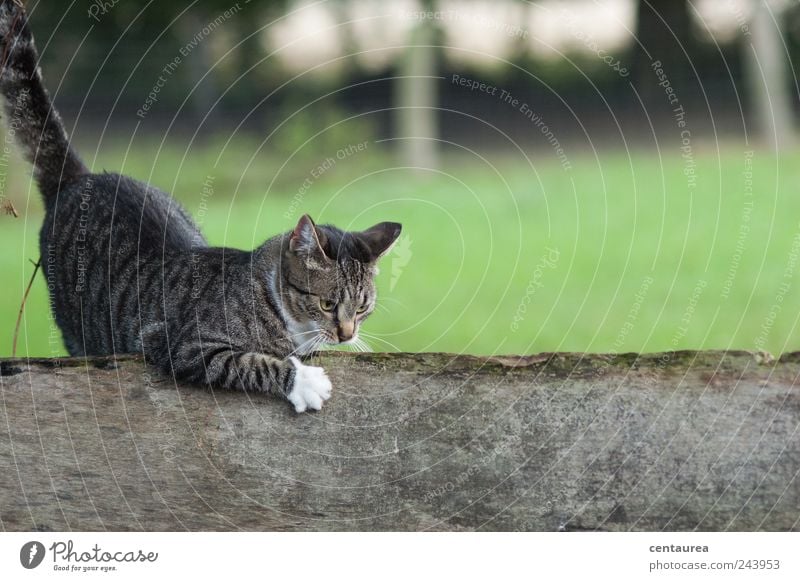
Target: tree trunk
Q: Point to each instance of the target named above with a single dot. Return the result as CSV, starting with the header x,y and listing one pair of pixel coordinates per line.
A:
x,y
416,99
675,441
768,78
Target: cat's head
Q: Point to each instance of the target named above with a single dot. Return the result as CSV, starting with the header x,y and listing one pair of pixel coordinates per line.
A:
x,y
328,278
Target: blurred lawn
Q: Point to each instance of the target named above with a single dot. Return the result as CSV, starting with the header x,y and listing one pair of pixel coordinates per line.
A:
x,y
636,261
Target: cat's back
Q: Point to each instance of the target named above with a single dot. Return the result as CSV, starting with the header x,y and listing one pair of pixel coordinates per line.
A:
x,y
117,211
108,244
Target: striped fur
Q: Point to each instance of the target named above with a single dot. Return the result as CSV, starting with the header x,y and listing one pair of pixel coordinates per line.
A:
x,y
129,271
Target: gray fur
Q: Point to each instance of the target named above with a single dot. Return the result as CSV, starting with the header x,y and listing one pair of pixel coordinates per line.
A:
x,y
129,271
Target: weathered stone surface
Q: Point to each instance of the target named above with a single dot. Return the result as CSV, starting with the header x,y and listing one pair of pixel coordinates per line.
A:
x,y
680,441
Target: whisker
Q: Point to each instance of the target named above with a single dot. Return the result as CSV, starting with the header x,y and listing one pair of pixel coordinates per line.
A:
x,y
301,333
319,345
324,342
375,338
303,347
362,345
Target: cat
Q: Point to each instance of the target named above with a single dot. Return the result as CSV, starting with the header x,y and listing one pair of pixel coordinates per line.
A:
x,y
129,271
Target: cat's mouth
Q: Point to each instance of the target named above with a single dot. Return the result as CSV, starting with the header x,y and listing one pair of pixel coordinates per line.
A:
x,y
333,339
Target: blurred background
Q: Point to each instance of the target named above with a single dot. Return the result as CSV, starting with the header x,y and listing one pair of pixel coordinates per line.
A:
x,y
576,175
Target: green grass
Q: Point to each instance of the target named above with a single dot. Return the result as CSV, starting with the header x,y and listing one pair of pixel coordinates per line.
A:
x,y
475,233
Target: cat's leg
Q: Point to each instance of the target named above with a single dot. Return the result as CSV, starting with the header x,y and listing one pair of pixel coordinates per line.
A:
x,y
74,347
304,386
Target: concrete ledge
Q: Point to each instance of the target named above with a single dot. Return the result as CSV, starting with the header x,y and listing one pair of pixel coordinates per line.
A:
x,y
675,441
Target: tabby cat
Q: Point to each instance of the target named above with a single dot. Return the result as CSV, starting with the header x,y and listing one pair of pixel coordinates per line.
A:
x,y
129,271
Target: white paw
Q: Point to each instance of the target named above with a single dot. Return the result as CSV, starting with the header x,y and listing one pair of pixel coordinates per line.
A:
x,y
311,387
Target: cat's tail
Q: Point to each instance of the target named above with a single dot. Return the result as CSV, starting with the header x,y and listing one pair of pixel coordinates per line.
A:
x,y
31,118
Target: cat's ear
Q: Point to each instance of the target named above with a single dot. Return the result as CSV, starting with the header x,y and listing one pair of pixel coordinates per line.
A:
x,y
380,238
307,239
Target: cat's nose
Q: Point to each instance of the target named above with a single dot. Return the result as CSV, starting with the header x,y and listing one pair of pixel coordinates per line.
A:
x,y
346,330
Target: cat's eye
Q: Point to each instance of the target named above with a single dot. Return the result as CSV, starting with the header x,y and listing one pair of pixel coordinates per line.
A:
x,y
326,306
362,308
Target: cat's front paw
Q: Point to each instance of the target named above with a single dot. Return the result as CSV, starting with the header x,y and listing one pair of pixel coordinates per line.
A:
x,y
311,387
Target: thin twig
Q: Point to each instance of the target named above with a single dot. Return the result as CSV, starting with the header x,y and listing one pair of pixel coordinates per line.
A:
x,y
9,209
22,306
